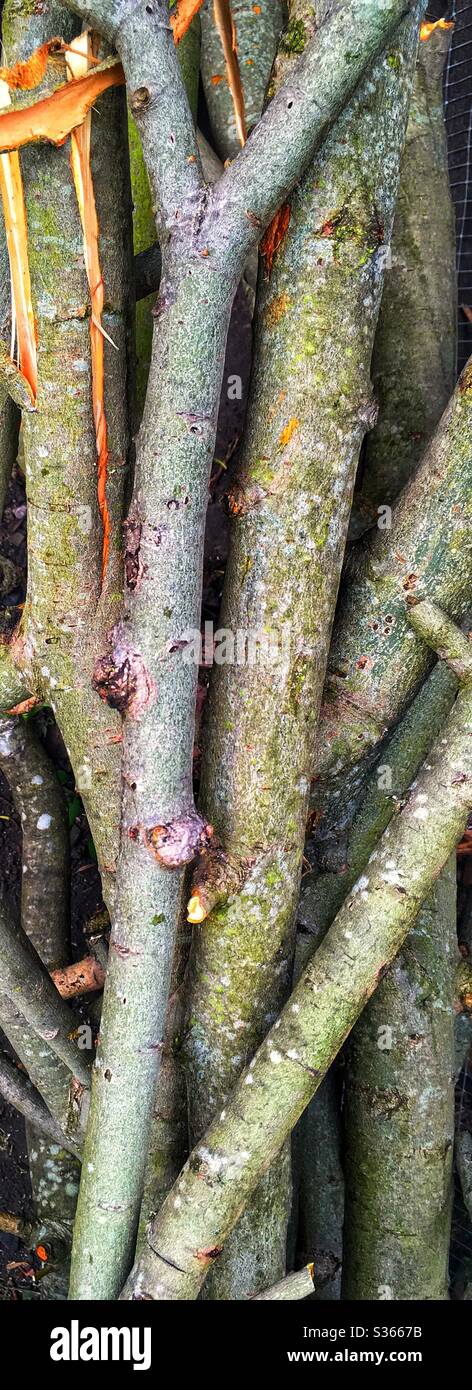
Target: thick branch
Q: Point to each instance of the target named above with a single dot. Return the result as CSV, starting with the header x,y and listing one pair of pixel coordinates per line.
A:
x,y
423,550
28,985
223,1170
291,509
442,635
18,1091
146,673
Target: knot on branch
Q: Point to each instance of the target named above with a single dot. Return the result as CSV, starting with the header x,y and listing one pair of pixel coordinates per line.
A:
x,y
140,99
122,679
178,842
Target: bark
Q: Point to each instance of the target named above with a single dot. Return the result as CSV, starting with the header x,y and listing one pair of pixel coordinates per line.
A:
x,y
318,1213
49,1076
225,1167
209,236
299,1285
323,893
144,225
258,29
169,1140
9,414
16,1089
376,665
464,1166
317,1138
27,984
399,1118
414,359
41,806
291,504
66,616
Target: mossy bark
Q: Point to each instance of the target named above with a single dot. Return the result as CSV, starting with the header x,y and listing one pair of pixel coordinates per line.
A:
x,y
399,1118
292,504
144,222
205,241
258,28
376,663
224,1168
413,368
66,614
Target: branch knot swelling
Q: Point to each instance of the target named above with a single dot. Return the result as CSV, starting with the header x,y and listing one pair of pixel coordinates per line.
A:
x,y
122,679
177,843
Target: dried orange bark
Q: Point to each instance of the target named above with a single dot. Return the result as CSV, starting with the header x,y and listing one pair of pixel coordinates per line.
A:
x,y
227,32
14,211
182,17
56,115
274,236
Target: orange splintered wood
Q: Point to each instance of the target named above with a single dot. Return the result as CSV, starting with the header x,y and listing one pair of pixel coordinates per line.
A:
x,y
274,236
63,110
14,212
227,32
80,53
182,17
428,27
29,74
24,76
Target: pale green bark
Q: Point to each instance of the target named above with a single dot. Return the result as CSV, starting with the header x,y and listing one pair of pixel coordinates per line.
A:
x,y
414,359
209,236
399,1118
291,506
376,664
226,1165
258,28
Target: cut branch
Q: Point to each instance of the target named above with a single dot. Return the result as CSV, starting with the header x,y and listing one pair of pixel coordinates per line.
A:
x,y
299,1285
224,1168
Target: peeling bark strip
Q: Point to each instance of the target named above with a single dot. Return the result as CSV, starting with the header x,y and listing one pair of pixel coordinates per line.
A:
x,y
209,235
53,117
14,213
287,541
258,28
225,1167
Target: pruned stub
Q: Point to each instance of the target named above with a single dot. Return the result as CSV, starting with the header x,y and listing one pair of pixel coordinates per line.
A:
x,y
180,841
122,679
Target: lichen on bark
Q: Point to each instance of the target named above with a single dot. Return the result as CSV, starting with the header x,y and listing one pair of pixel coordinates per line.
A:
x,y
414,359
309,408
